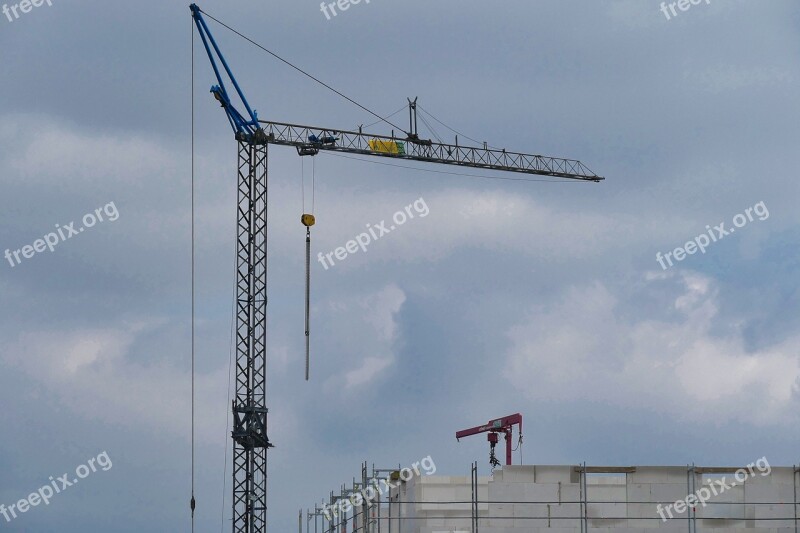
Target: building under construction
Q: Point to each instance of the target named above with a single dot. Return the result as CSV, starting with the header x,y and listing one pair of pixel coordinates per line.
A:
x,y
575,499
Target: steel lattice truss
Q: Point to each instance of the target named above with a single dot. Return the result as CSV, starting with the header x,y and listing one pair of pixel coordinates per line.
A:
x,y
249,408
312,139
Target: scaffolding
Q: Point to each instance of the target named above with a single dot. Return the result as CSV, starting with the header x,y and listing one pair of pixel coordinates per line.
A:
x,y
579,498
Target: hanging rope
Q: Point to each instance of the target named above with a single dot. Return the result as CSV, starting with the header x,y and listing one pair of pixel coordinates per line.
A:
x,y
519,447
308,299
519,443
231,354
313,183
308,220
192,502
308,267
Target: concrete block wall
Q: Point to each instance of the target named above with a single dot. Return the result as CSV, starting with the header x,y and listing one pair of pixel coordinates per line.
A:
x,y
546,499
426,504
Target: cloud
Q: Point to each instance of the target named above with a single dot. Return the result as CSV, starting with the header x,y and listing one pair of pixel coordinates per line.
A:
x,y
462,219
50,148
380,310
371,367
582,349
372,319
97,374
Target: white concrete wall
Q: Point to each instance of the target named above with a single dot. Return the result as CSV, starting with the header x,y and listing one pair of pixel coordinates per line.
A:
x,y
429,511
546,499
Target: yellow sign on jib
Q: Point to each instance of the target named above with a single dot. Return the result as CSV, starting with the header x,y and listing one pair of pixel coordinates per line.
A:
x,y
387,147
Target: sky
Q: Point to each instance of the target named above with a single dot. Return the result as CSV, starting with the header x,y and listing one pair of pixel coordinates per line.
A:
x,y
543,298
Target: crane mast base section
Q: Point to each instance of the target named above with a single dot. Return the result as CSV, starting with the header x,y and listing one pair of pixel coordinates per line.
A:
x,y
249,433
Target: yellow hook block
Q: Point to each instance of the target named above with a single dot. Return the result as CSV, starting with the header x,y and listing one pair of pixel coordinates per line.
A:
x,y
307,220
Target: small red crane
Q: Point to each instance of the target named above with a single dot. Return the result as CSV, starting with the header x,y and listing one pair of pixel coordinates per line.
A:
x,y
493,427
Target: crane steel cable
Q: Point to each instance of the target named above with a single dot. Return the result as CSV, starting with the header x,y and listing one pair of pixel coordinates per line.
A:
x,y
233,307
313,183
430,128
448,127
308,220
298,69
192,502
402,108
231,349
308,265
308,299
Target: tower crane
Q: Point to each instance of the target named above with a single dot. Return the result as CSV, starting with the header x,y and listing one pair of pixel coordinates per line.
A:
x,y
503,425
253,137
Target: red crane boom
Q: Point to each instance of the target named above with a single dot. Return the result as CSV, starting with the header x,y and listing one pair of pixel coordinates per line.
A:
x,y
503,425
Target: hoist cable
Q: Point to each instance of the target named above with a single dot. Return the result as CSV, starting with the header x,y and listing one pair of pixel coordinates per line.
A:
x,y
430,128
231,351
192,502
313,183
308,298
403,108
448,127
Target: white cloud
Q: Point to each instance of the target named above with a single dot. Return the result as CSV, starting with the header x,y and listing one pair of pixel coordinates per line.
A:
x,y
47,148
372,320
370,368
582,350
380,309
462,219
93,373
